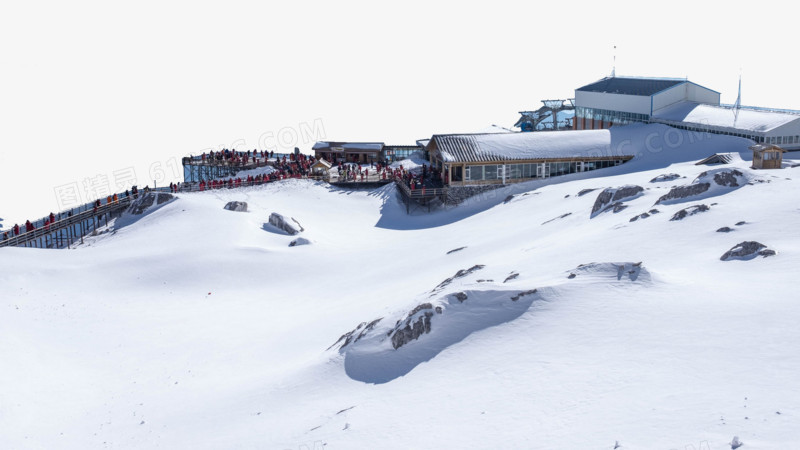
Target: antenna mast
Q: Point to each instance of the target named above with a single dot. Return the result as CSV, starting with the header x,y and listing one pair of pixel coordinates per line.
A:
x,y
614,67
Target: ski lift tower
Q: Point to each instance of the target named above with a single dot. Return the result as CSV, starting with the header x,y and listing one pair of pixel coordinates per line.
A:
x,y
557,106
531,120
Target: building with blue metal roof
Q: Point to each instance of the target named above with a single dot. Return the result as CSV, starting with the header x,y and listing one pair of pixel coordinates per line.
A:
x,y
621,100
679,103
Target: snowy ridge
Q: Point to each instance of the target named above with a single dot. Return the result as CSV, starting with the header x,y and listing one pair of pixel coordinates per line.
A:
x,y
195,327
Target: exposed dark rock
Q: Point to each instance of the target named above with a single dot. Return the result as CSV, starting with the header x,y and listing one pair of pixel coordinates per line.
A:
x,y
460,296
289,225
353,336
640,216
724,230
738,224
146,201
484,281
456,250
627,192
618,207
566,196
236,206
460,274
747,250
299,241
654,211
522,294
508,199
413,329
559,217
419,308
602,200
585,191
665,177
513,276
681,192
690,211
612,198
571,276
728,178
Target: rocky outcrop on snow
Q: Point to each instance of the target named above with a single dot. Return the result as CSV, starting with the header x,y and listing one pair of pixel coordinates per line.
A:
x,y
747,250
460,274
730,178
690,211
147,201
585,191
706,184
290,225
665,177
682,192
511,276
236,206
355,335
299,241
644,215
632,271
417,323
556,218
392,349
724,230
456,250
613,198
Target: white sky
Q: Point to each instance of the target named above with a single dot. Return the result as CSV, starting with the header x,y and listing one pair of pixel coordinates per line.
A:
x,y
93,92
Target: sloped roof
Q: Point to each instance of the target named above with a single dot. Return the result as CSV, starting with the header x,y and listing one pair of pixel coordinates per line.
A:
x,y
322,163
766,147
523,146
723,117
719,158
631,86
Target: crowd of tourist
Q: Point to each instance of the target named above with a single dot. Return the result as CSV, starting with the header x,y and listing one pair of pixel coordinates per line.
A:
x,y
237,158
294,165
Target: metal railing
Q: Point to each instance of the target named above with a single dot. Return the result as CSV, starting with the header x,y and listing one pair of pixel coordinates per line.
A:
x,y
67,230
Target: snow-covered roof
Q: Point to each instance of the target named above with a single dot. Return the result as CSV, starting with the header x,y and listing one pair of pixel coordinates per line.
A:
x,y
322,162
495,129
523,146
722,117
720,158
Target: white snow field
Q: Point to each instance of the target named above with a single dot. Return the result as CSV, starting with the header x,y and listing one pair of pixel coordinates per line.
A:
x,y
521,318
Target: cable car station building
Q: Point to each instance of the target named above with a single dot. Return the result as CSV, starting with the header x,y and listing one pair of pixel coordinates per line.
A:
x,y
681,104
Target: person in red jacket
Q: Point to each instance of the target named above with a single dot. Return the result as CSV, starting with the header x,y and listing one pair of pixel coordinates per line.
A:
x,y
52,218
16,229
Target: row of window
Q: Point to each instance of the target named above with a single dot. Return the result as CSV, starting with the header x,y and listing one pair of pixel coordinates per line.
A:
x,y
783,140
607,115
776,140
542,170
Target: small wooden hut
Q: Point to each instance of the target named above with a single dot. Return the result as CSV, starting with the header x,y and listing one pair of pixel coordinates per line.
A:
x,y
767,156
320,167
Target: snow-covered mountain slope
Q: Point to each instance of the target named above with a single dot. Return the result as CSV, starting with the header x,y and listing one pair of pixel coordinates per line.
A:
x,y
520,319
